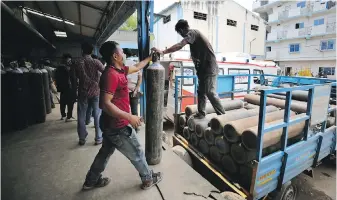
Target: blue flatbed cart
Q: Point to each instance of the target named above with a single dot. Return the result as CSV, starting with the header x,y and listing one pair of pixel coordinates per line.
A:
x,y
272,174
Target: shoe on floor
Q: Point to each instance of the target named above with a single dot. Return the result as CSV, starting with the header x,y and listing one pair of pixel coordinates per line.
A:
x,y
62,118
156,178
70,119
98,142
199,116
81,142
87,123
102,182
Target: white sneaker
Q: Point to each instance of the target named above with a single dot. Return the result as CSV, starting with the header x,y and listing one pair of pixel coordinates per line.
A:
x,y
70,119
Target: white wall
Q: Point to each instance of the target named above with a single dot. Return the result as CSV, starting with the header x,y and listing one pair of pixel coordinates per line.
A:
x,y
309,50
297,66
227,39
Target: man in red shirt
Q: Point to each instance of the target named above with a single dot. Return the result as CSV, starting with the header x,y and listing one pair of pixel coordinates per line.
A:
x,y
116,122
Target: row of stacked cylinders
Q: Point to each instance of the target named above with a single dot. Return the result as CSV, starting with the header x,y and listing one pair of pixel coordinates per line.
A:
x,y
229,140
25,98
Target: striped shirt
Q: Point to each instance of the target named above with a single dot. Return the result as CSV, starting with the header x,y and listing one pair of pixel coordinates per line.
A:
x,y
88,73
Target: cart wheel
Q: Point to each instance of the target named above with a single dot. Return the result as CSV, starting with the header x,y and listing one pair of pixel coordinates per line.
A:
x,y
288,192
183,154
231,196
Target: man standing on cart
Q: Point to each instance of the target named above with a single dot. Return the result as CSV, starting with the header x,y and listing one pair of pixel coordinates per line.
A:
x,y
205,64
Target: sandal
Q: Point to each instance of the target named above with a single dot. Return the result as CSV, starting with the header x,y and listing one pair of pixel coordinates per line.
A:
x,y
102,182
156,178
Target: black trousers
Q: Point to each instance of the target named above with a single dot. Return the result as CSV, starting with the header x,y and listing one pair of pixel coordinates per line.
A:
x,y
207,87
67,100
134,104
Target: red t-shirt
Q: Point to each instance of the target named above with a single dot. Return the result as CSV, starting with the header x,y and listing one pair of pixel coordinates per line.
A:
x,y
113,81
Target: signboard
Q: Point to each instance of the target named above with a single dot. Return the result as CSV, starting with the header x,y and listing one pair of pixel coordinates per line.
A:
x,y
320,104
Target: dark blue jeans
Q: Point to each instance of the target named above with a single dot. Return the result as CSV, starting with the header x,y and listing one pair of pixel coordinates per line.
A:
x,y
82,106
126,141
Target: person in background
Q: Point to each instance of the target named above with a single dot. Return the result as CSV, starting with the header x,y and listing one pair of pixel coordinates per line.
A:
x,y
116,121
47,66
205,64
89,112
88,92
134,82
66,84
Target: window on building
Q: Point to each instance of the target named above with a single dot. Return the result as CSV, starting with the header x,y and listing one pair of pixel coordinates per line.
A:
x,y
318,22
299,25
294,48
201,16
268,49
327,45
254,27
301,4
231,22
167,19
326,71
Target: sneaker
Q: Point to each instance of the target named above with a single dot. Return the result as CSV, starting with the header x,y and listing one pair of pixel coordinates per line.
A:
x,y
156,178
70,119
102,182
199,116
62,118
81,142
98,142
87,123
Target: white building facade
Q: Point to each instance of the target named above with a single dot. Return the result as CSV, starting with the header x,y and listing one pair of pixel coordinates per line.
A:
x,y
302,35
228,26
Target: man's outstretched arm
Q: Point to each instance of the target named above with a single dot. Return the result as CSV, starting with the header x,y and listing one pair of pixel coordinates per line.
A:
x,y
172,49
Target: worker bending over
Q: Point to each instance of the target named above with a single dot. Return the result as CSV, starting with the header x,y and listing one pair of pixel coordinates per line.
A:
x,y
205,64
116,122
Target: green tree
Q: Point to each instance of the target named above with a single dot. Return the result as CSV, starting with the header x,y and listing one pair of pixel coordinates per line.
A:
x,y
130,24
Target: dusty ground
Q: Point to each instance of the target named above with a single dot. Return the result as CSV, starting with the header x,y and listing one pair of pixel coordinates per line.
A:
x,y
321,187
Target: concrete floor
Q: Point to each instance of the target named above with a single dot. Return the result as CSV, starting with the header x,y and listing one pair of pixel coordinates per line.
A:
x,y
44,162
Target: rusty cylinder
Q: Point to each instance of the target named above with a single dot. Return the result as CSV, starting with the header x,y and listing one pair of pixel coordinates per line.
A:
x,y
251,106
194,140
209,136
192,122
233,129
226,104
299,107
229,165
202,125
215,154
242,155
218,122
186,133
249,136
182,121
203,147
155,81
222,145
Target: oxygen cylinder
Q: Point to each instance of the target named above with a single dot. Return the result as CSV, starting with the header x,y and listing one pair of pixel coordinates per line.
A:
x,y
5,100
45,77
155,79
37,97
18,115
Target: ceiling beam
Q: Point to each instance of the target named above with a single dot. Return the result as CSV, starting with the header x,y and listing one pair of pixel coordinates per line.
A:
x,y
104,13
84,3
61,15
48,20
80,17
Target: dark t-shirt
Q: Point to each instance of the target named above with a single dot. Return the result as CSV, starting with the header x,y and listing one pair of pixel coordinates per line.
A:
x,y
113,81
202,53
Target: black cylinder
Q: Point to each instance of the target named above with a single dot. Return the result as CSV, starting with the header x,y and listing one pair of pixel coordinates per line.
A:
x,y
155,78
5,103
46,89
18,102
37,98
